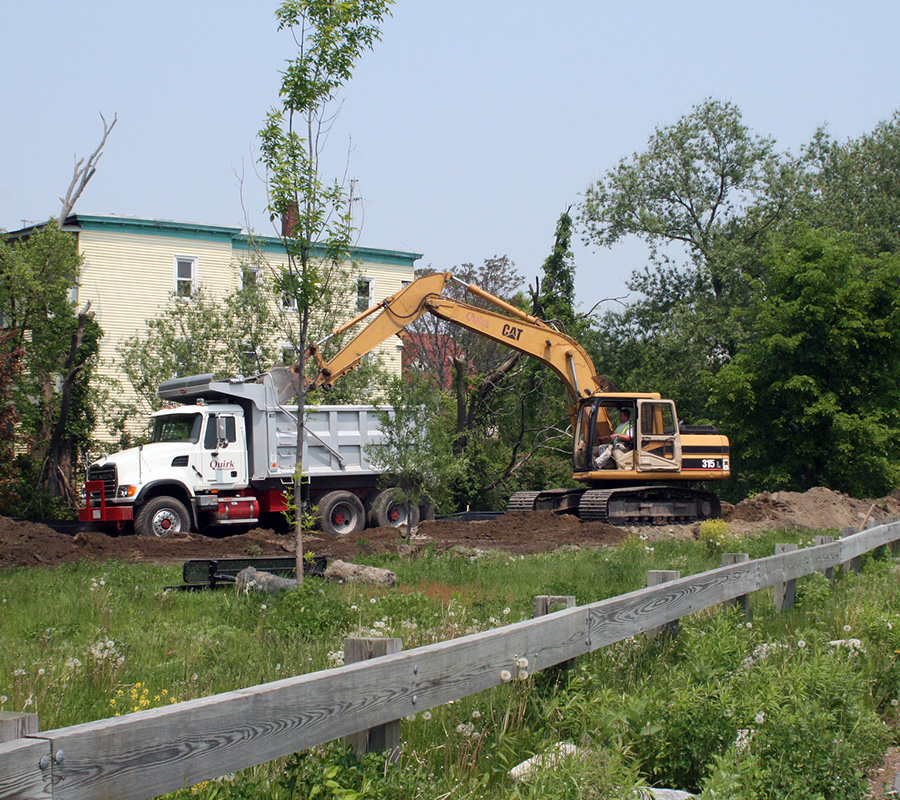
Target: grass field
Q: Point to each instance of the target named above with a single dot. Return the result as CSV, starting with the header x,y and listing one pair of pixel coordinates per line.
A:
x,y
727,708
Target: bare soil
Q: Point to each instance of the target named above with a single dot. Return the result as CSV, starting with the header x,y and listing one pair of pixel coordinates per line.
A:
x,y
34,544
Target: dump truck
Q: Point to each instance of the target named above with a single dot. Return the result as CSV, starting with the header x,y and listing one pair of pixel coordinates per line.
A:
x,y
224,452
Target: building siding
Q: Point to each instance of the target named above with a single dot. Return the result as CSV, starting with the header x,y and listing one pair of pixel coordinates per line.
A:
x,y
128,275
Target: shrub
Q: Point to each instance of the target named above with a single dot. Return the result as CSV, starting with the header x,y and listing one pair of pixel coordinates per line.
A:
x,y
714,535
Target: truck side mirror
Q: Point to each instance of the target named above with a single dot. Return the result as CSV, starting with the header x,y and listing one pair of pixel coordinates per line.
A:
x,y
221,432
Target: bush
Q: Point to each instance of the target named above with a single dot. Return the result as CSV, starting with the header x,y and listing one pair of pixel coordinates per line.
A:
x,y
714,535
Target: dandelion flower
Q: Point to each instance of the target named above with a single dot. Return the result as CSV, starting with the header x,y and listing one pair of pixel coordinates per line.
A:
x,y
801,644
760,717
847,629
505,675
426,715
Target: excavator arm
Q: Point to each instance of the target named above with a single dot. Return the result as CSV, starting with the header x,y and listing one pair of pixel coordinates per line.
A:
x,y
508,325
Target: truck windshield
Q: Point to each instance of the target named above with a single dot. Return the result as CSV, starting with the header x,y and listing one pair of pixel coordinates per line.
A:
x,y
177,428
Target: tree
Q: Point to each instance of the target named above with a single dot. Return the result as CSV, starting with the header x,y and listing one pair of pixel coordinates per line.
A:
x,y
197,335
58,347
331,38
10,369
711,189
854,186
814,398
416,449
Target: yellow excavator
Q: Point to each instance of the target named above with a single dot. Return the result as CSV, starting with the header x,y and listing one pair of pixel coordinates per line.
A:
x,y
629,448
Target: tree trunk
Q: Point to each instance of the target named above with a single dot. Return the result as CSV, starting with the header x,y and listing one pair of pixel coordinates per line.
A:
x,y
358,573
59,462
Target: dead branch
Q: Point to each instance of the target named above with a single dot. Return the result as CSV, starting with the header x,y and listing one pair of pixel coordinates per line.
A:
x,y
83,173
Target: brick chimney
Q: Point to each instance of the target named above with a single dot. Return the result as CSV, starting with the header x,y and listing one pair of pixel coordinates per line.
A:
x,y
290,221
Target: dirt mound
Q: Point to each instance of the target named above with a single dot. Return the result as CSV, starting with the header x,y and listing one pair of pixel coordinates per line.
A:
x,y
818,508
33,544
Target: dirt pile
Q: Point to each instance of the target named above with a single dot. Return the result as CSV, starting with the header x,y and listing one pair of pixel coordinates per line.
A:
x,y
33,544
818,509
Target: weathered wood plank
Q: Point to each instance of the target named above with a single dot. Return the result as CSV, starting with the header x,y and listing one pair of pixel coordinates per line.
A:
x,y
785,592
381,737
742,601
16,725
21,774
656,577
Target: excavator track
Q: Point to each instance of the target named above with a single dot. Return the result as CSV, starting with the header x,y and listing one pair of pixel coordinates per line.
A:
x,y
522,501
648,505
562,501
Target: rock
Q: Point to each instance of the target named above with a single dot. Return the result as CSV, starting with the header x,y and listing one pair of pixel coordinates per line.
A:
x,y
359,573
553,756
251,579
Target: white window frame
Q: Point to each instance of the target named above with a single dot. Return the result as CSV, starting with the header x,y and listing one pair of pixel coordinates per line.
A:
x,y
370,284
178,281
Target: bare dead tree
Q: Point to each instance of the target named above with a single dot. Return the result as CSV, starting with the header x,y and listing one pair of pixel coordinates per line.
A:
x,y
83,172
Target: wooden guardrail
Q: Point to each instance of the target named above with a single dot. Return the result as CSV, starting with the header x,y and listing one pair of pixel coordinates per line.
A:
x,y
149,753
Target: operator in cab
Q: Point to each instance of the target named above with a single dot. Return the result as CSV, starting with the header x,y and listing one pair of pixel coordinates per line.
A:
x,y
620,444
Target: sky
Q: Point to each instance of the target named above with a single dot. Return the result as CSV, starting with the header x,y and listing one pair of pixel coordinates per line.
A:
x,y
468,129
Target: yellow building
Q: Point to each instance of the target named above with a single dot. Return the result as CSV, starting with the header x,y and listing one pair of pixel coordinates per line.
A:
x,y
132,267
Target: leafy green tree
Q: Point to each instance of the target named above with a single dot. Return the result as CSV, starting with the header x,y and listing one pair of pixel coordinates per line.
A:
x,y
194,336
814,397
691,186
854,186
331,38
58,347
416,450
10,369
704,195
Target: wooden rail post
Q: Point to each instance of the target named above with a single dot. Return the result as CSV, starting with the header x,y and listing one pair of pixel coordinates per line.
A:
x,y
654,578
895,545
828,572
785,593
728,559
547,604
381,737
14,725
854,564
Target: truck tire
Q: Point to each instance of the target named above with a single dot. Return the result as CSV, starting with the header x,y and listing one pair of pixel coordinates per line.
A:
x,y
162,516
386,510
341,513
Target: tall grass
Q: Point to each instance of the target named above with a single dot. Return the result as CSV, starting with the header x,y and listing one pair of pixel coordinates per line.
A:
x,y
711,711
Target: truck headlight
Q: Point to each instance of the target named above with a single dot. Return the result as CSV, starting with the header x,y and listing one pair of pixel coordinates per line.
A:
x,y
126,491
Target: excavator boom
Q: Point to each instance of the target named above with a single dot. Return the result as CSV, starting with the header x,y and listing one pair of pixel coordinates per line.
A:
x,y
513,328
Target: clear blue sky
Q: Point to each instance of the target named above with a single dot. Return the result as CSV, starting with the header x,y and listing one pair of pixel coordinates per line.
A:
x,y
473,123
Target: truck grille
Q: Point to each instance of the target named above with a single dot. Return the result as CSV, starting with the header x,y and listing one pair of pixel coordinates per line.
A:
x,y
107,474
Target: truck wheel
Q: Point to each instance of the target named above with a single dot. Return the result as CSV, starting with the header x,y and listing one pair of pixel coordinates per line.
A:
x,y
341,513
388,511
162,516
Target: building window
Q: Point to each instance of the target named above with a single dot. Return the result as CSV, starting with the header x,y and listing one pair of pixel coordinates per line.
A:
x,y
288,354
185,276
249,276
363,294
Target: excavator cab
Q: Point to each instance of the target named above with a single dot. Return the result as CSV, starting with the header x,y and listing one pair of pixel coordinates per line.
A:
x,y
655,444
